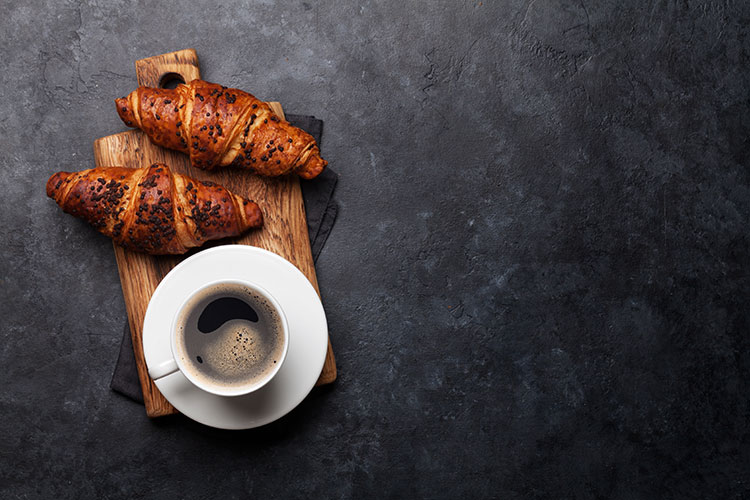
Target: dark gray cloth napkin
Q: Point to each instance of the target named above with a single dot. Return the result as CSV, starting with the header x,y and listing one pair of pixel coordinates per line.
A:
x,y
321,211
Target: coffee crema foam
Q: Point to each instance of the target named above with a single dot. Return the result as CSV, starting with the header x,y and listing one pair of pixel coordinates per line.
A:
x,y
239,352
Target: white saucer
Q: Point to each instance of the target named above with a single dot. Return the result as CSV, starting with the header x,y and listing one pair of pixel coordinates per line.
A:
x,y
308,336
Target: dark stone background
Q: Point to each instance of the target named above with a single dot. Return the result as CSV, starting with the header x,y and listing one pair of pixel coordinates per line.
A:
x,y
537,286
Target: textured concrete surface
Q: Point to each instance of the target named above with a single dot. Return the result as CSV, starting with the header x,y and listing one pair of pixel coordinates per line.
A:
x,y
537,286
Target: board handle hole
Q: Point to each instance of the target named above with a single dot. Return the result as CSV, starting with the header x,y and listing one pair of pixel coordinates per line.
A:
x,y
171,80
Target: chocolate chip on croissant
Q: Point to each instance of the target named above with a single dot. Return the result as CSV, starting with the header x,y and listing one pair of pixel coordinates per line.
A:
x,y
219,126
151,209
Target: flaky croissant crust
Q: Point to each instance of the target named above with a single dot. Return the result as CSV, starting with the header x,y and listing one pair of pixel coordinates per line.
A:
x,y
219,126
151,209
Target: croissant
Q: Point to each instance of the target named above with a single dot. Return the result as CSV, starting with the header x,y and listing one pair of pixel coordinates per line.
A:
x,y
219,126
151,209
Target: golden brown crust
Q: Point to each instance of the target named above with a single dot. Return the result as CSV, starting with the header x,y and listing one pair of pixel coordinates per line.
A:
x,y
219,126
151,209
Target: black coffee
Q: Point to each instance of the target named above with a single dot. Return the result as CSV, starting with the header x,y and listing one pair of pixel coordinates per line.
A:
x,y
229,336
223,309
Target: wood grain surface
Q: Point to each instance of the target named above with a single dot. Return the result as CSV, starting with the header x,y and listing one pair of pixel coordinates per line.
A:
x,y
284,231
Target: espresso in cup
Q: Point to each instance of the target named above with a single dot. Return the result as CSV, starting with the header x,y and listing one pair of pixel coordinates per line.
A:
x,y
229,336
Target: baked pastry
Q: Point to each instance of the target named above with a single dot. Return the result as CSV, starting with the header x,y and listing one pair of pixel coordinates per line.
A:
x,y
219,126
151,209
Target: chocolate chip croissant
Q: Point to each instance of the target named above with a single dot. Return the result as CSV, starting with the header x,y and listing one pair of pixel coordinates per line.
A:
x,y
219,126
151,209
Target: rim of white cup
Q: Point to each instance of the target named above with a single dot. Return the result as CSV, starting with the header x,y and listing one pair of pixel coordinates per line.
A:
x,y
243,389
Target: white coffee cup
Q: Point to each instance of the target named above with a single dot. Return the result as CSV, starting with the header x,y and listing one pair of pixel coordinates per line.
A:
x,y
272,321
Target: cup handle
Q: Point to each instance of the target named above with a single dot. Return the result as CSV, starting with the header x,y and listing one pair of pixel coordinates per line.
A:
x,y
163,369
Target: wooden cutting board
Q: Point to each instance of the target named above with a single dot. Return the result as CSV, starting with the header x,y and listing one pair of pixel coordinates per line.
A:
x,y
284,231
